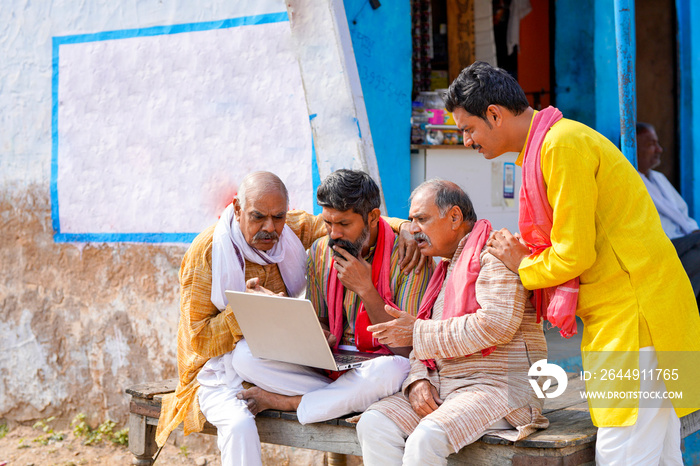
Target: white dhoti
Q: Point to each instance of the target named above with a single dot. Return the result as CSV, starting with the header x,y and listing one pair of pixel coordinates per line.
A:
x,y
655,439
323,398
237,434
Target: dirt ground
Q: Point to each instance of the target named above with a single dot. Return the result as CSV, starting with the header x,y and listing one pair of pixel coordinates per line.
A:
x,y
21,447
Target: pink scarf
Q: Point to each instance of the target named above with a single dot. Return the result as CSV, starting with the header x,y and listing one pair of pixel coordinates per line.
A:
x,y
557,304
381,272
460,290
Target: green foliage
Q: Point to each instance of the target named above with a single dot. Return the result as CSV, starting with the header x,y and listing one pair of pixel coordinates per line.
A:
x,y
103,432
184,451
3,430
51,436
80,427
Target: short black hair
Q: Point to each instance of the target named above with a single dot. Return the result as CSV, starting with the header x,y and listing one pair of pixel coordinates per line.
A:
x,y
349,189
448,195
480,85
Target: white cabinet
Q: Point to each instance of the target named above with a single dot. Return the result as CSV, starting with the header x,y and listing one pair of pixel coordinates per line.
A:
x,y
492,185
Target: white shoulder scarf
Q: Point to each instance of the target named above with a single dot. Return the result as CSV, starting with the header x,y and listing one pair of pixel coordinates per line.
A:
x,y
230,251
671,206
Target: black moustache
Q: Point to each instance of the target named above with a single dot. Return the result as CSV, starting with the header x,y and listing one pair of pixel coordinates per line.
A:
x,y
345,244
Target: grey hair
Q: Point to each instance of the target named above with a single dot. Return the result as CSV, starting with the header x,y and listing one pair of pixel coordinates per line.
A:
x,y
261,180
642,127
448,195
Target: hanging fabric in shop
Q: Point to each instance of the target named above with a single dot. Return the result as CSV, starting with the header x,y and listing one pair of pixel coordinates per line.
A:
x,y
484,40
421,16
518,10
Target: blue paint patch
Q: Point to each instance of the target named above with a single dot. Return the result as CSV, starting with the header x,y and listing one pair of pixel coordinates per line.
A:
x,y
315,177
575,77
383,48
114,35
359,131
691,455
312,116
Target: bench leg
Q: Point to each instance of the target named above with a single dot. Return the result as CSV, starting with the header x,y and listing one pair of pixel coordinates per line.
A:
x,y
336,459
142,440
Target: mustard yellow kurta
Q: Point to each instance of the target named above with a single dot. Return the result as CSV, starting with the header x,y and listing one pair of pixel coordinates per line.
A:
x,y
204,332
634,291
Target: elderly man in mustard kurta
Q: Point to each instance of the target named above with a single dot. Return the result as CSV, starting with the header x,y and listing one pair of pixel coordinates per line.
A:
x,y
257,244
592,245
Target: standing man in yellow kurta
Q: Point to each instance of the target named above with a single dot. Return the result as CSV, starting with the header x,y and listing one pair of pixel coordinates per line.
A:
x,y
592,244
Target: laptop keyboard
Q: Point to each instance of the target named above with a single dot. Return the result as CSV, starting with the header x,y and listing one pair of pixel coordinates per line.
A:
x,y
349,358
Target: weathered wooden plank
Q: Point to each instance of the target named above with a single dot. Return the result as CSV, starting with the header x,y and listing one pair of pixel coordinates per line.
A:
x,y
566,428
690,424
148,390
482,454
569,440
319,436
584,457
144,409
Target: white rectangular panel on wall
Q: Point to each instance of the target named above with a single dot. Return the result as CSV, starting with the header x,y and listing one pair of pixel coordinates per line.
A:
x,y
153,129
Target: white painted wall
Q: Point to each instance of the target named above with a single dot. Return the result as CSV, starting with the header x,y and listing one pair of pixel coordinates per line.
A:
x,y
81,321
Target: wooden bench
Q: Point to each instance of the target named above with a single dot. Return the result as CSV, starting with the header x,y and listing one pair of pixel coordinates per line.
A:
x,y
569,440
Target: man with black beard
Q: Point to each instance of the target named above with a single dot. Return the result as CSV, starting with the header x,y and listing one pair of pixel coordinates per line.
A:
x,y
351,275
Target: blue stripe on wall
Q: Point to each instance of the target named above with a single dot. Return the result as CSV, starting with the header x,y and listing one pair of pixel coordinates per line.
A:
x,y
114,35
124,237
174,29
315,177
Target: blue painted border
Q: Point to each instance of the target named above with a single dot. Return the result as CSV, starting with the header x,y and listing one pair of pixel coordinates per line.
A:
x,y
625,40
124,237
688,72
114,35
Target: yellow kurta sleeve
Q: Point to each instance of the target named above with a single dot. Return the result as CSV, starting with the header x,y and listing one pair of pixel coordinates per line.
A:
x,y
212,333
569,174
306,226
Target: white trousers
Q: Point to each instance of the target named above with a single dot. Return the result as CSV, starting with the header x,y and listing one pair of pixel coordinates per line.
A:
x,y
384,443
655,439
323,398
237,436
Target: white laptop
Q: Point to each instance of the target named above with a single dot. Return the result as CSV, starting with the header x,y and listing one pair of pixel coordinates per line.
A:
x,y
287,329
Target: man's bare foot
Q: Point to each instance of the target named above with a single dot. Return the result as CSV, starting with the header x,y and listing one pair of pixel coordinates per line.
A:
x,y
260,400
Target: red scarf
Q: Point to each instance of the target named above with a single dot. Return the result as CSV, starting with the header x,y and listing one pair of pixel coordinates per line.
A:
x,y
381,272
557,304
460,290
